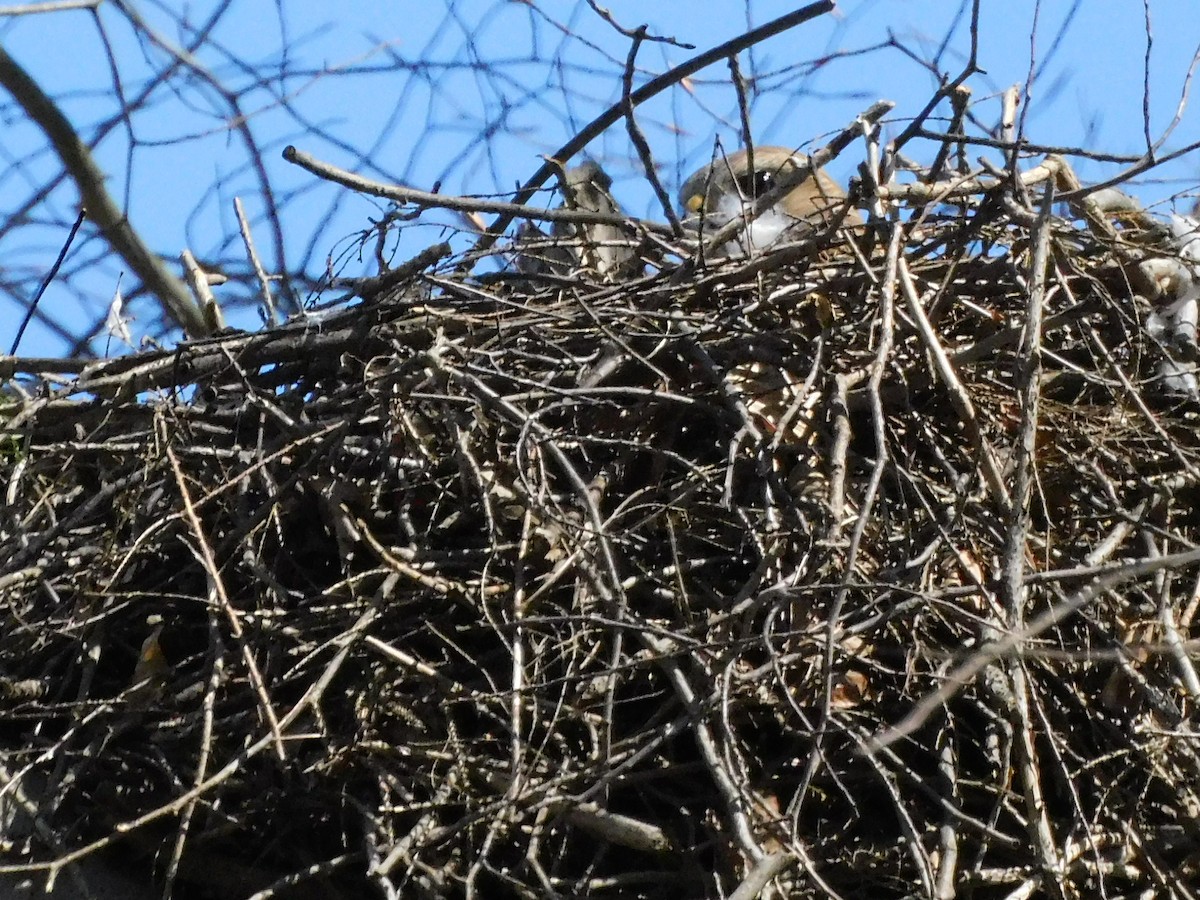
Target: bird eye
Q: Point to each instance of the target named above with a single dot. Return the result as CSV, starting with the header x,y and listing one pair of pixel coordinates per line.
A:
x,y
761,183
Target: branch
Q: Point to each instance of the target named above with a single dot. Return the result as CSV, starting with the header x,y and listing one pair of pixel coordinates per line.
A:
x,y
101,208
403,194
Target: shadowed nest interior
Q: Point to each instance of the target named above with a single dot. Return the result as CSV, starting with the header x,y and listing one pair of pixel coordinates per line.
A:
x,y
860,570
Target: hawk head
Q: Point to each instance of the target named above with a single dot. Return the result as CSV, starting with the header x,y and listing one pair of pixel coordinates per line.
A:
x,y
728,187
601,249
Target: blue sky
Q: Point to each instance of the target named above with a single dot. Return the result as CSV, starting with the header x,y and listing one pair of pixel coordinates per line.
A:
x,y
553,67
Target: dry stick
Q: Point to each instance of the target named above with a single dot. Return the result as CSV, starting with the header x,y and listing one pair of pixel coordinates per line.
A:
x,y
639,139
1014,590
845,381
871,171
369,288
948,843
969,185
41,365
1086,206
628,830
1028,147
26,9
49,277
218,588
739,88
621,829
608,17
960,103
1177,649
264,283
707,744
327,867
1030,361
421,667
441,587
519,749
840,413
1008,127
100,206
756,880
985,457
422,829
1188,614
803,396
206,745
1145,164
915,839
1172,643
403,194
128,376
615,828
197,280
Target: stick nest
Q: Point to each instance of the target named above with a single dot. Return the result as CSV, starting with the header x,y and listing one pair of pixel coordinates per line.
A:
x,y
862,570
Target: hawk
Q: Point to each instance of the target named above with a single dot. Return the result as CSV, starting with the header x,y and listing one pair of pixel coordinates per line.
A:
x,y
727,188
600,248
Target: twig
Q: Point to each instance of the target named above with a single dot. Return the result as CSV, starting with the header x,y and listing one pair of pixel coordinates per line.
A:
x,y
98,203
985,456
271,316
403,194
639,140
36,298
219,596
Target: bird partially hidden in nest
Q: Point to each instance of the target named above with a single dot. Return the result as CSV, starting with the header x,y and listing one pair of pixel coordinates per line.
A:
x,y
783,301
727,188
602,249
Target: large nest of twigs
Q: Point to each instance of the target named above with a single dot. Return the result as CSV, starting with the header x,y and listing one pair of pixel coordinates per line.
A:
x,y
857,569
